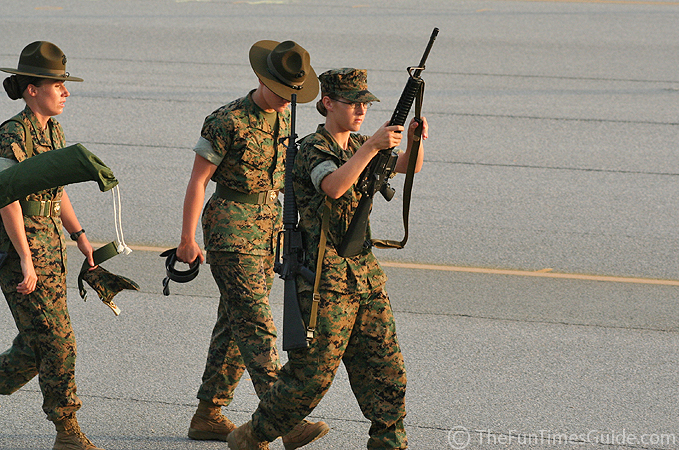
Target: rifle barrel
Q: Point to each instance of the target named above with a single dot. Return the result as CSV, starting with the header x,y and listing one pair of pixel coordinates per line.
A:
x,y
412,87
432,38
290,205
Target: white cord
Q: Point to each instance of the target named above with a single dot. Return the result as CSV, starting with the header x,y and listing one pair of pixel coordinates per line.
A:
x,y
117,219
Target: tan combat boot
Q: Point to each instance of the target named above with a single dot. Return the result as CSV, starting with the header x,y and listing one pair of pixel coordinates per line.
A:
x,y
209,424
304,433
69,436
243,438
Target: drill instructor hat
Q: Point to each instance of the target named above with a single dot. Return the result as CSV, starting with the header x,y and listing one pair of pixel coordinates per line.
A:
x,y
285,69
42,59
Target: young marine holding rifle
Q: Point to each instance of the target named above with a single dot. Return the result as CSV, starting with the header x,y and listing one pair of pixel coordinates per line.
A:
x,y
355,324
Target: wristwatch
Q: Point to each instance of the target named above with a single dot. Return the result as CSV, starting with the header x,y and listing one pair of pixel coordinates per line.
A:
x,y
76,235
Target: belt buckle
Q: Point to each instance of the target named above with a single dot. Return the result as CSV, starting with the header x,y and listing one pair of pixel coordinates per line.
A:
x,y
49,208
268,197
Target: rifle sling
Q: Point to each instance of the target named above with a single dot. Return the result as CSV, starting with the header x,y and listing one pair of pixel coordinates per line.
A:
x,y
28,142
313,317
410,173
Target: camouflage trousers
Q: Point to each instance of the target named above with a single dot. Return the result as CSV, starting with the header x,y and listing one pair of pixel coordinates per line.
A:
x,y
244,335
45,345
358,330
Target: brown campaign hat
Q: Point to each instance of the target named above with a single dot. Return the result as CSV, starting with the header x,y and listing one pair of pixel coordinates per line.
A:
x,y
42,59
285,69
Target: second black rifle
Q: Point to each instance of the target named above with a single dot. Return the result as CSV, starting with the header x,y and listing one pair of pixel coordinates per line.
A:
x,y
295,334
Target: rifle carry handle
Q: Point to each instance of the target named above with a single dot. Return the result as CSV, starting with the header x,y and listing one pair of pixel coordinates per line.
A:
x,y
412,87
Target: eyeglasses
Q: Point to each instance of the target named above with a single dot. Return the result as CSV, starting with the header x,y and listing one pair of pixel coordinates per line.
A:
x,y
355,105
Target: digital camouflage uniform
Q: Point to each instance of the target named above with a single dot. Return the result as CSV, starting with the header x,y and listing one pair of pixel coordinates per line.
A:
x,y
239,239
45,345
355,320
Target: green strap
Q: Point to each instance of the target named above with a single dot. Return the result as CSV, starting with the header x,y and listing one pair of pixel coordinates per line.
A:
x,y
28,143
313,317
28,140
410,173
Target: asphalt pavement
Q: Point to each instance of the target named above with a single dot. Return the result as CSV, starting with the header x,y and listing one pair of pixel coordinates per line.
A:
x,y
536,299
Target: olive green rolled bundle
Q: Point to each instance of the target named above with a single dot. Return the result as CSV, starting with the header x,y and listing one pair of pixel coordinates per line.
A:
x,y
68,165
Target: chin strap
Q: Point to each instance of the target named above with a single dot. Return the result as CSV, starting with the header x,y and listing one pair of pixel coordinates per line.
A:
x,y
180,276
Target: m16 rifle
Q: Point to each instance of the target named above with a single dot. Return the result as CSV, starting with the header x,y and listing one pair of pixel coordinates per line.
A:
x,y
375,177
295,334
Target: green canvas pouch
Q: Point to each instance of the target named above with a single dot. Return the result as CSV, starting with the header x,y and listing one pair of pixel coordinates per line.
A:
x,y
68,165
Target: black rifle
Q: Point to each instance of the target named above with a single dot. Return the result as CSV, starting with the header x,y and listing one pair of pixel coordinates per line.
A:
x,y
294,330
375,177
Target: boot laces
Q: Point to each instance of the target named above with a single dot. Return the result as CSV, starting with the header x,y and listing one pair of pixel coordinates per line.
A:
x,y
84,439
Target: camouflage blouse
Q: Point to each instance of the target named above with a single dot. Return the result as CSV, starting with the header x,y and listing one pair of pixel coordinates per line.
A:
x,y
359,274
44,234
249,158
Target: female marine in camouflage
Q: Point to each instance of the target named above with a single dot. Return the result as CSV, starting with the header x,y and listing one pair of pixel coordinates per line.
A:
x,y
355,321
33,275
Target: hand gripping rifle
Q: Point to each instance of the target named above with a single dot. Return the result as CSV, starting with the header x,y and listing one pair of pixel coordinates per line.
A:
x,y
375,177
295,334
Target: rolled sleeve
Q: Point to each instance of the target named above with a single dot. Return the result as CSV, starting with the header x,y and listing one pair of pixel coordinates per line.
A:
x,y
204,148
321,171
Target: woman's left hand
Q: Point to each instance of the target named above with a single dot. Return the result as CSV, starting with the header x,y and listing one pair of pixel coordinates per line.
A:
x,y
414,122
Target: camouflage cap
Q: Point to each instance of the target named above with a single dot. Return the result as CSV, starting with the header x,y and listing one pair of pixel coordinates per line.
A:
x,y
350,84
107,285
